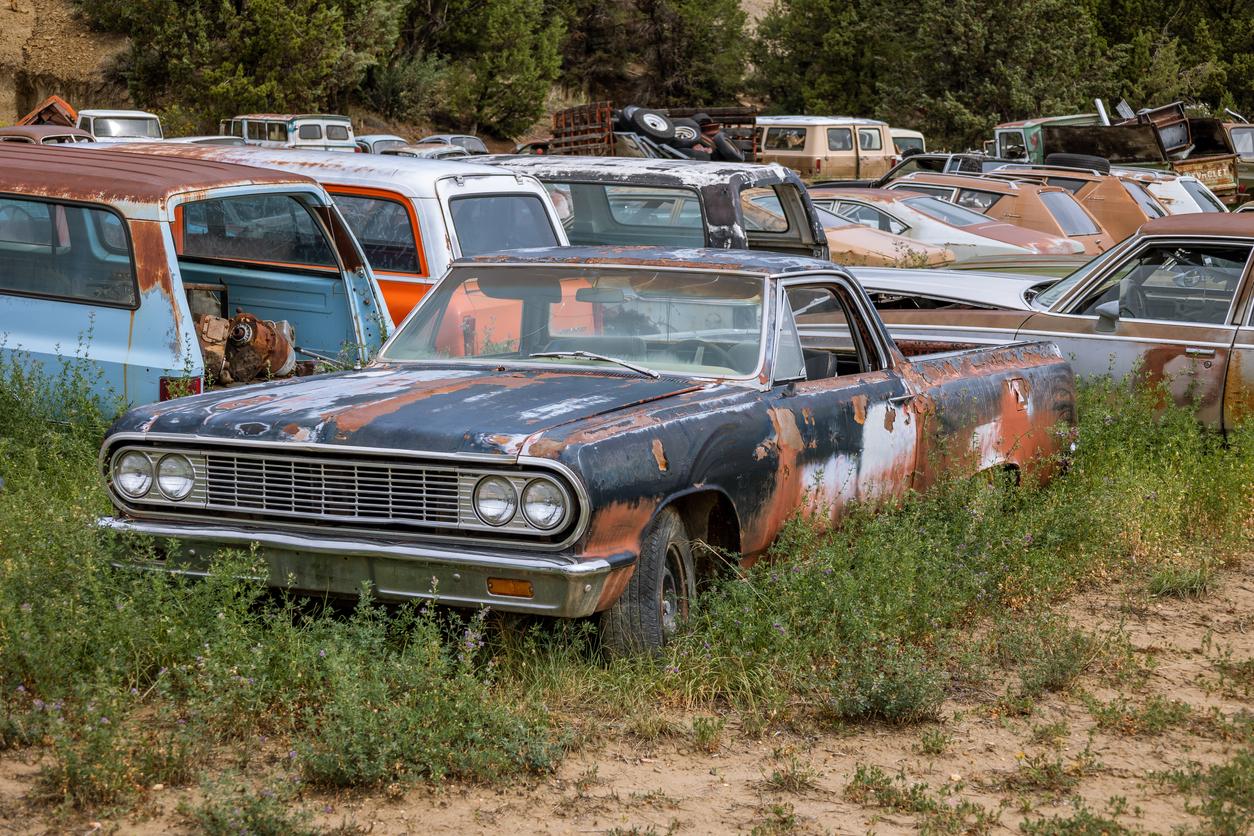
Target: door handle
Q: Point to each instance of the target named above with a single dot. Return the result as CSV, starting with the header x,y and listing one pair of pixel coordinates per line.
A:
x,y
898,400
1198,351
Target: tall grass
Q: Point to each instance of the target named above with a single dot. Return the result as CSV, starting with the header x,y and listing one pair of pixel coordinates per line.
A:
x,y
129,679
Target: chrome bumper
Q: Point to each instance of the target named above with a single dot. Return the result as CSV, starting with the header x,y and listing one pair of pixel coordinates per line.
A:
x,y
396,571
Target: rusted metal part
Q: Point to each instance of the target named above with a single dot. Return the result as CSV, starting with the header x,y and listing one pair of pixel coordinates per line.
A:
x,y
53,110
212,333
258,348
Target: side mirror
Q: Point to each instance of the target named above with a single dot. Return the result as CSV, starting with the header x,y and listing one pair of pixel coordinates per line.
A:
x,y
1107,315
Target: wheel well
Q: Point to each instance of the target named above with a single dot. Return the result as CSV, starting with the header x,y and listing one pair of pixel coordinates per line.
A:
x,y
712,524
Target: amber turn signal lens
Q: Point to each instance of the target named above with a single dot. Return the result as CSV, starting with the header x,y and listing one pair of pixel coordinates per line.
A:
x,y
510,587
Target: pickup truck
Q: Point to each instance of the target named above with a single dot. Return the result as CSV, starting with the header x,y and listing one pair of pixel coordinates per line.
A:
x,y
651,410
1172,305
164,276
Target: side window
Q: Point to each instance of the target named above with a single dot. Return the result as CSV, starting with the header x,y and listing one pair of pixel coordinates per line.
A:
x,y
276,132
977,201
337,132
237,128
1174,283
785,139
839,139
309,132
832,341
77,253
867,216
385,231
267,228
257,130
943,192
869,139
763,210
1011,145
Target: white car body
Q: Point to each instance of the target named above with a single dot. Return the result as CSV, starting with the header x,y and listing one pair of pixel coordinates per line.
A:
x,y
1179,194
115,126
936,288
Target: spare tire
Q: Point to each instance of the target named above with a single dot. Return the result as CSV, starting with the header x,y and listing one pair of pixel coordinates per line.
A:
x,y
656,126
687,132
1098,164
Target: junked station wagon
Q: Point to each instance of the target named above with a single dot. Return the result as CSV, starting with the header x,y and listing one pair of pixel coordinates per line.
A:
x,y
165,274
651,402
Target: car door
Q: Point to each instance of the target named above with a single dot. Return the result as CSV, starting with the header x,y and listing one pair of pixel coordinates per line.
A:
x,y
833,374
1163,311
1239,385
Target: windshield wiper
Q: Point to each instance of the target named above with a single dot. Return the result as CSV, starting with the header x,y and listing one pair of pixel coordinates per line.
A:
x,y
588,355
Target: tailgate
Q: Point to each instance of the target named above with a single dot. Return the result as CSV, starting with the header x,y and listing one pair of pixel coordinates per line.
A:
x,y
1218,173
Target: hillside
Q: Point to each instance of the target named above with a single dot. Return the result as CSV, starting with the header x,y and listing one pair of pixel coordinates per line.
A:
x,y
45,49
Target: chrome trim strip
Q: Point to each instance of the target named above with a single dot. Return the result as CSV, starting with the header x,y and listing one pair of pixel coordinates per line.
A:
x,y
1117,338
197,443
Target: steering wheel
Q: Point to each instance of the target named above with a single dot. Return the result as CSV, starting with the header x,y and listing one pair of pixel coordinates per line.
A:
x,y
699,350
1133,303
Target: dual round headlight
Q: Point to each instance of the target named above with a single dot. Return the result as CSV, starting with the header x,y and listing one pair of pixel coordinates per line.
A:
x,y
543,502
134,475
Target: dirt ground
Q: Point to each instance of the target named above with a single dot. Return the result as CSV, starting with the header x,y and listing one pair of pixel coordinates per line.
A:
x,y
665,785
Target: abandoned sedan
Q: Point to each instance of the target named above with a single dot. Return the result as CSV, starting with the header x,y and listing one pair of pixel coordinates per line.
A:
x,y
555,431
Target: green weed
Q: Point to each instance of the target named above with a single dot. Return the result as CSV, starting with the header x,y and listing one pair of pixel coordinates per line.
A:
x,y
1152,717
1173,581
1225,792
938,811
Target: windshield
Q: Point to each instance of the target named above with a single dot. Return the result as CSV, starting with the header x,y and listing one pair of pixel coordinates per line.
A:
x,y
1148,205
1243,140
115,126
950,213
1071,217
493,222
1047,298
1202,196
679,322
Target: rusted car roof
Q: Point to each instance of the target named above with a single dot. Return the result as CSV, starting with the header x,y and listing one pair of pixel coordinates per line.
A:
x,y
970,181
1238,224
638,171
694,258
38,132
286,117
95,175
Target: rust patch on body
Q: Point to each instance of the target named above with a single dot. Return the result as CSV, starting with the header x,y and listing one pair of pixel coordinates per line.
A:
x,y
859,408
890,418
659,455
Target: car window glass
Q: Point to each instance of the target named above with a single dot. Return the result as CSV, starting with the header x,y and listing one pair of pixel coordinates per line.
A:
x,y
1011,144
257,130
1173,282
869,139
310,132
976,201
594,213
70,252
763,210
384,229
237,128
785,139
790,362
942,192
1202,196
1071,218
337,132
123,126
830,348
271,228
1148,205
839,139
493,222
1243,141
1069,183
949,213
868,216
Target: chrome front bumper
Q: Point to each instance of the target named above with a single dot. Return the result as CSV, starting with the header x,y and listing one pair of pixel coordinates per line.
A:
x,y
396,571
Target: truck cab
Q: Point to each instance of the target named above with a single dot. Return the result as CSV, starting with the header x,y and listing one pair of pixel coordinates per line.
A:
x,y
310,131
120,125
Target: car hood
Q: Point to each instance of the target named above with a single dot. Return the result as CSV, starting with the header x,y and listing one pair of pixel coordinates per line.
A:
x,y
1040,242
413,408
857,244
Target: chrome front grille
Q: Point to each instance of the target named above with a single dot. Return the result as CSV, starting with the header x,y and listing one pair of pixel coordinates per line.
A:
x,y
355,490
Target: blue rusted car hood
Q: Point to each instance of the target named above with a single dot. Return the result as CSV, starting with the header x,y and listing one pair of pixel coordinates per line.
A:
x,y
425,408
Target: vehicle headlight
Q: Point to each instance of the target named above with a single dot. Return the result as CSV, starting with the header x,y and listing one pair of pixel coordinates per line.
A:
x,y
175,476
133,475
543,503
495,500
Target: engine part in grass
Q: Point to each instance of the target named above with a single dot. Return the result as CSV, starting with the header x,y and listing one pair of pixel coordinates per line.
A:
x,y
212,333
260,348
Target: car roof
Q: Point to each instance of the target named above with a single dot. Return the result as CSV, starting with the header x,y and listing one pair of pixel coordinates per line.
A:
x,y
138,186
41,131
645,171
374,137
870,195
409,176
743,261
1234,224
124,113
817,120
972,181
286,117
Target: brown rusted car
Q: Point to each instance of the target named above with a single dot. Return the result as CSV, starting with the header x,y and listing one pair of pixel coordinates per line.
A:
x,y
1049,209
1173,303
1119,202
44,135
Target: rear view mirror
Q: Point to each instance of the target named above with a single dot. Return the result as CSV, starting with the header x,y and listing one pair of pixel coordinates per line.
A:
x,y
601,295
1107,315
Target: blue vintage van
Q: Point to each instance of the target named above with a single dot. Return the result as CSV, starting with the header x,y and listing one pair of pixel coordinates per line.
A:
x,y
161,273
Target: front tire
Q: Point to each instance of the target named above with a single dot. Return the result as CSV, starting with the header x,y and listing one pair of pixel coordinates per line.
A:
x,y
657,598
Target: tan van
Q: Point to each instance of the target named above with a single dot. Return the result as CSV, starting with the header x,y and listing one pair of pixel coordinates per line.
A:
x,y
831,147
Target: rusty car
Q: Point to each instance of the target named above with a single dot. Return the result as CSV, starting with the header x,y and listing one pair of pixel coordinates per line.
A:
x,y
677,203
412,217
658,410
1172,305
926,219
1049,209
44,135
168,275
827,146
